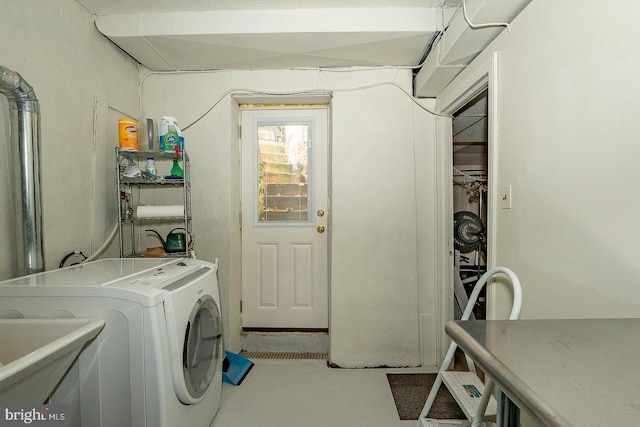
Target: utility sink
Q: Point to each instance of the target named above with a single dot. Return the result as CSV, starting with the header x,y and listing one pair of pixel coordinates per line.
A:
x,y
36,353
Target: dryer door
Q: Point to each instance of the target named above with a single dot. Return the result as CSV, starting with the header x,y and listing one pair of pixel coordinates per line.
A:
x,y
202,350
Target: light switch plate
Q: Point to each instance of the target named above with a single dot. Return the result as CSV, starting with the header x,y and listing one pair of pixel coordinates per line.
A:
x,y
505,196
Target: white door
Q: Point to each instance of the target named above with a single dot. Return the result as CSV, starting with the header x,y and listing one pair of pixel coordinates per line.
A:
x,y
284,218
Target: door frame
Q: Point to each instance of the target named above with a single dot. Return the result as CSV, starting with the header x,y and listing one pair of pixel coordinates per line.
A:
x,y
281,309
299,99
465,87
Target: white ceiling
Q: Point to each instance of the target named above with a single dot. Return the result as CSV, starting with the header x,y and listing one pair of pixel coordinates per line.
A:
x,y
119,7
252,34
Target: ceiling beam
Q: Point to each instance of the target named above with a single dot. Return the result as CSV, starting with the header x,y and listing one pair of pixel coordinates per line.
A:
x,y
244,39
460,44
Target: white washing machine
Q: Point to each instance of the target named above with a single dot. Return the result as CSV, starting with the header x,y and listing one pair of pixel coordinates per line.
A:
x,y
158,360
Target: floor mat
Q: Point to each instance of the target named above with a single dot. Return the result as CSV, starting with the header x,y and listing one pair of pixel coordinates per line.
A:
x,y
410,392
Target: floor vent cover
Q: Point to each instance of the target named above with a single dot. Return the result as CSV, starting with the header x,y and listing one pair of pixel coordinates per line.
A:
x,y
280,355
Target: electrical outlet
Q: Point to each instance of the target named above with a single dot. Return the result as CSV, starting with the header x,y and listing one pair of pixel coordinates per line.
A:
x,y
505,196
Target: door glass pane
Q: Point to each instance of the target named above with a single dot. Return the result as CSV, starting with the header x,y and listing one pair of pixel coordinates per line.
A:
x,y
283,172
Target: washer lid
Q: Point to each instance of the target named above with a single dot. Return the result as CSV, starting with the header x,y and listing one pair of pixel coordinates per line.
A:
x,y
108,278
95,273
146,281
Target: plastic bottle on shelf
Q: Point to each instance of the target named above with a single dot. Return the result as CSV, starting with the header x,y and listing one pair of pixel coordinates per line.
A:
x,y
170,135
176,170
151,166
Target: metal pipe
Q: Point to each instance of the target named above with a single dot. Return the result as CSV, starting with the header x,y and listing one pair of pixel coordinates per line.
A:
x,y
24,112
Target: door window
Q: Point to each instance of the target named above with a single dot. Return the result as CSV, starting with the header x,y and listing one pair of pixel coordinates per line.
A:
x,y
282,181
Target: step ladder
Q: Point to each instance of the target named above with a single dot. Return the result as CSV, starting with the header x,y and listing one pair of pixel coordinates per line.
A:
x,y
474,398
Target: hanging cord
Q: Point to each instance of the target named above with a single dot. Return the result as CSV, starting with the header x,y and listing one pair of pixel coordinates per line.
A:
x,y
212,106
105,245
487,25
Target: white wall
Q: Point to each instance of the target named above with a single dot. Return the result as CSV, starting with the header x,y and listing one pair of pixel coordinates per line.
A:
x,y
374,253
55,47
374,308
569,145
427,154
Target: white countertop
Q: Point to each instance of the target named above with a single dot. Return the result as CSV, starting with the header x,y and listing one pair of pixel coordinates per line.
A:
x,y
563,372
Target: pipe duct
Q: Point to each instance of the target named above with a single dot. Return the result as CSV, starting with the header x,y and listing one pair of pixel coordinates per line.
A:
x,y
24,112
462,42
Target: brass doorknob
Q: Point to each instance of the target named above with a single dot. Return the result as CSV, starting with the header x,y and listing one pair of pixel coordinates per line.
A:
x,y
320,212
320,228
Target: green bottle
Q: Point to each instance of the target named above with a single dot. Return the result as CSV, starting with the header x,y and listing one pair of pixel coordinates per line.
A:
x,y
176,170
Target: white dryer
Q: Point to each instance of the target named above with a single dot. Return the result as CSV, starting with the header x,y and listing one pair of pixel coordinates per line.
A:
x,y
158,360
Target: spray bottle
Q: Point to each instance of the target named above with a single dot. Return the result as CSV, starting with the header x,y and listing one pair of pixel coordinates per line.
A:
x,y
176,170
170,135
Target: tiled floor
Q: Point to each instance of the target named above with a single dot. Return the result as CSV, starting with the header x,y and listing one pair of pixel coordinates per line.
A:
x,y
306,393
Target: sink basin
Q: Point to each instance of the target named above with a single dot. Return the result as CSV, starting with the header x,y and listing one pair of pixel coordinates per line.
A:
x,y
36,353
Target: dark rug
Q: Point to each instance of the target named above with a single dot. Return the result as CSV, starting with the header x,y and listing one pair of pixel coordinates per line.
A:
x,y
410,392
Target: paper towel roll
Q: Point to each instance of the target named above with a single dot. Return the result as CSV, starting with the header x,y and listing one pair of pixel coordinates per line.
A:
x,y
160,211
